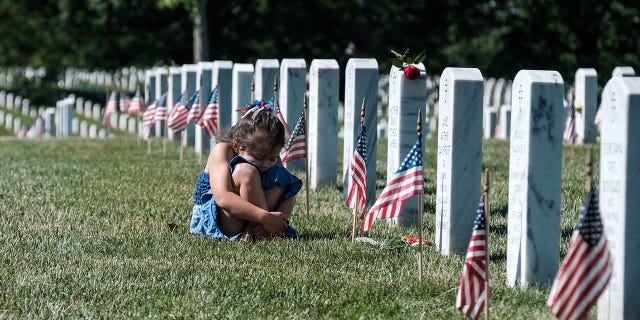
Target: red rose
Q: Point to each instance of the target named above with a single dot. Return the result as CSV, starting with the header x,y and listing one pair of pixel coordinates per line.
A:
x,y
411,72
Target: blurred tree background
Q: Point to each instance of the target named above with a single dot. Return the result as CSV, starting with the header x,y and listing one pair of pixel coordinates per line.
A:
x,y
498,37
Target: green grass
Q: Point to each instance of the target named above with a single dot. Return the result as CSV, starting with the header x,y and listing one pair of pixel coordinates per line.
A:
x,y
99,229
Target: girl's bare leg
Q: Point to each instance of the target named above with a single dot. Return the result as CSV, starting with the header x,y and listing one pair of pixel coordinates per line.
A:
x,y
247,184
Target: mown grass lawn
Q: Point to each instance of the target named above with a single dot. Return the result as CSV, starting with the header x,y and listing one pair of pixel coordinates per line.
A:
x,y
99,229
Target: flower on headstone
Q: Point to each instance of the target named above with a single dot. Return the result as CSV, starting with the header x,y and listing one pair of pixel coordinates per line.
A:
x,y
408,64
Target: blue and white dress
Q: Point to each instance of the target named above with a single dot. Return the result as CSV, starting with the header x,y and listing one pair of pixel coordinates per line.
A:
x,y
204,220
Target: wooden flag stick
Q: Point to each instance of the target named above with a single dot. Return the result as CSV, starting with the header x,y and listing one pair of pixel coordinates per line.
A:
x,y
487,288
306,150
589,168
196,119
355,208
420,226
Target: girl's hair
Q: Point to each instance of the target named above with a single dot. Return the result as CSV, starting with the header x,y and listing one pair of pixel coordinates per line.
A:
x,y
258,126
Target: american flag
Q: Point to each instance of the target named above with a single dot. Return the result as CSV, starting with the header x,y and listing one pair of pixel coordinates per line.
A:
x,y
406,182
296,145
178,116
471,295
570,127
358,172
586,269
109,109
124,102
148,118
280,116
208,119
136,103
194,112
161,108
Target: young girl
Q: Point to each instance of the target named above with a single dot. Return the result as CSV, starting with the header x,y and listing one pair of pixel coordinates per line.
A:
x,y
242,191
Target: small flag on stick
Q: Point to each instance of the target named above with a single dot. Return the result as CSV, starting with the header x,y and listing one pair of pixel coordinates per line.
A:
x,y
570,127
208,119
406,182
586,269
109,109
471,294
296,146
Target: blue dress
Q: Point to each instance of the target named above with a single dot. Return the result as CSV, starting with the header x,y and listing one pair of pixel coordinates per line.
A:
x,y
204,219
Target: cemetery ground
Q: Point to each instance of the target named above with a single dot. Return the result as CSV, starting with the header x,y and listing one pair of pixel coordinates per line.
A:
x,y
99,228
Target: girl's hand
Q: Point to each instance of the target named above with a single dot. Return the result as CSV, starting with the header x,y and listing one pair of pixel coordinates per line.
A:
x,y
274,222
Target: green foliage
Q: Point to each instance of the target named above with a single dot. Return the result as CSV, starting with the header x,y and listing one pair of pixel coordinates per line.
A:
x,y
99,229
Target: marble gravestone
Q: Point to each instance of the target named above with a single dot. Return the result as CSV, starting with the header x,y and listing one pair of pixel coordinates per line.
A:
x,y
87,109
84,128
406,97
241,95
64,116
459,165
79,105
586,103
174,90
361,81
190,84
96,113
222,74
161,86
9,101
293,86
8,121
3,98
25,107
122,121
93,131
75,126
535,178
266,71
323,122
1,117
50,122
619,190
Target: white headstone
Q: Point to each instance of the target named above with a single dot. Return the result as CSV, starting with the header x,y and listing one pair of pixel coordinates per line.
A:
x,y
222,73
84,128
102,133
122,121
242,77
361,81
459,166
266,71
189,86
75,126
1,117
323,122
535,178
25,107
10,101
50,121
87,109
64,117
490,120
79,105
150,88
623,71
131,125
3,98
293,86
93,131
97,112
406,97
161,86
586,103
174,91
17,125
619,190
205,73
8,120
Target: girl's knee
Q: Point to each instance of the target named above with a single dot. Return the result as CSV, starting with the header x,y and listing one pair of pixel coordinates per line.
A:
x,y
244,173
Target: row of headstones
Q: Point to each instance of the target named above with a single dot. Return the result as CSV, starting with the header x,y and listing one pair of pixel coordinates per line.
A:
x,y
9,74
535,177
583,95
127,78
58,122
